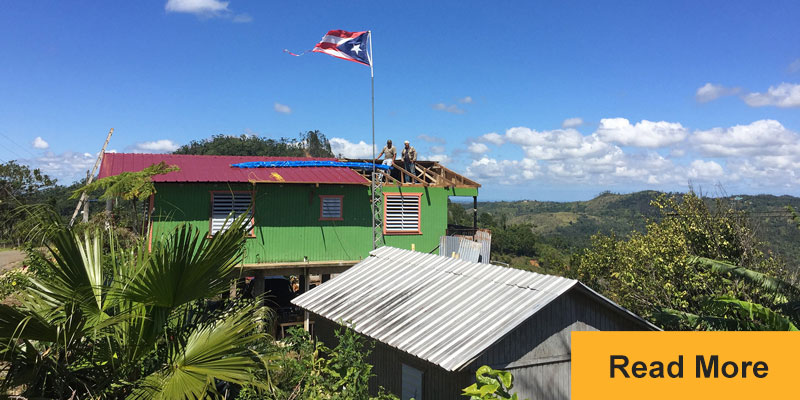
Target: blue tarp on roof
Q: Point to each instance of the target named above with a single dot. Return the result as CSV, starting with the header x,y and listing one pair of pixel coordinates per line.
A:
x,y
311,163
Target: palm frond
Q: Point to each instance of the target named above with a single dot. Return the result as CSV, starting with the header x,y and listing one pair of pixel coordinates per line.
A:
x,y
776,286
218,351
186,266
674,319
15,323
770,319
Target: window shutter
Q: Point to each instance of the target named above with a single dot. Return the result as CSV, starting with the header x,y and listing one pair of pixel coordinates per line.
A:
x,y
331,207
402,214
228,206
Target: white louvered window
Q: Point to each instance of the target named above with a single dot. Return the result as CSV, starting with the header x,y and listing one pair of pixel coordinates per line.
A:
x,y
402,215
330,208
227,206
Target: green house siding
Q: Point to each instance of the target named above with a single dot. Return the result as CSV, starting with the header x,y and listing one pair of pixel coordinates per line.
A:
x,y
287,219
433,216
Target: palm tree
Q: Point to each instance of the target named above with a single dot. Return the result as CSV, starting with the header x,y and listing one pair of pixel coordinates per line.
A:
x,y
131,322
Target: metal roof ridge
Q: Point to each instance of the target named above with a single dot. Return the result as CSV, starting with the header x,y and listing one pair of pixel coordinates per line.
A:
x,y
472,276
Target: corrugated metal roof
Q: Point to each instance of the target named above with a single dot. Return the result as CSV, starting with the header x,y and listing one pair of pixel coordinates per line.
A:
x,y
464,249
443,310
201,168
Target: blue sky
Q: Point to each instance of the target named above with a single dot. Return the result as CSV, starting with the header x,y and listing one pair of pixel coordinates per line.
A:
x,y
535,100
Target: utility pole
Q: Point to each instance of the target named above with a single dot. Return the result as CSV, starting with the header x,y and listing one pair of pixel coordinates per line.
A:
x,y
86,203
84,196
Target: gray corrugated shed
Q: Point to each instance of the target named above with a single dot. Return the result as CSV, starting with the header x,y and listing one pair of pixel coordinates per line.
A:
x,y
443,310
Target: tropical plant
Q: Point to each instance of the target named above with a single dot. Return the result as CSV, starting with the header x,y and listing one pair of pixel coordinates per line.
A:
x,y
775,303
306,369
492,384
18,185
655,271
136,324
132,186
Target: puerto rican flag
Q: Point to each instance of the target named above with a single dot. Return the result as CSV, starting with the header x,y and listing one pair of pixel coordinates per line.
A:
x,y
350,46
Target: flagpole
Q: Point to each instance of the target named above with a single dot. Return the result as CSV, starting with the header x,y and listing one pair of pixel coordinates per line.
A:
x,y
372,101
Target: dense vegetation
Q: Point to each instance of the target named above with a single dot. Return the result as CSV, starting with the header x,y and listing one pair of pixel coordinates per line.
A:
x,y
695,263
310,144
562,230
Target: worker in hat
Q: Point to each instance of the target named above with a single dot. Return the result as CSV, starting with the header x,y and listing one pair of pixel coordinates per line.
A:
x,y
409,156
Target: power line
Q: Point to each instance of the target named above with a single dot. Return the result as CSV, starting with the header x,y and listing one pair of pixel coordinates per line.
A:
x,y
18,145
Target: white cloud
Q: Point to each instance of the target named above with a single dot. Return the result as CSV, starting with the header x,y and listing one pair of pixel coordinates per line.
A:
x,y
478,148
705,170
493,138
794,66
453,109
761,156
710,91
347,149
199,7
242,18
282,108
67,167
465,100
440,157
206,9
558,144
572,123
40,143
643,134
784,95
761,137
503,171
431,139
158,146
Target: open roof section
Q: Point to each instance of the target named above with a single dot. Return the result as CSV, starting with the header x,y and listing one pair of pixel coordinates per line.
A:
x,y
428,173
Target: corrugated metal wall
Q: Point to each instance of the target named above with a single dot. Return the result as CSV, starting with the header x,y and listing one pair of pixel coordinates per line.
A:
x,y
287,219
433,219
388,363
538,352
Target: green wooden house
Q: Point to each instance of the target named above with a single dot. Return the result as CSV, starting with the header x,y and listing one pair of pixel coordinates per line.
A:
x,y
303,218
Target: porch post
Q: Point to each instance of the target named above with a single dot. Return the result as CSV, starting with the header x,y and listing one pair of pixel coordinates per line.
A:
x,y
475,212
306,288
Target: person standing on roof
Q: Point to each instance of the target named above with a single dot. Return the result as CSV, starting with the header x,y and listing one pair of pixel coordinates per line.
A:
x,y
409,156
389,153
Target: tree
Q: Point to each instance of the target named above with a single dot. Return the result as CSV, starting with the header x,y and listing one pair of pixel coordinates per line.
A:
x,y
657,270
457,215
517,239
18,185
131,323
311,144
316,144
132,186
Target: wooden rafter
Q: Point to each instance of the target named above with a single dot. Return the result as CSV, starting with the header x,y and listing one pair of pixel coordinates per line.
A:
x,y
428,173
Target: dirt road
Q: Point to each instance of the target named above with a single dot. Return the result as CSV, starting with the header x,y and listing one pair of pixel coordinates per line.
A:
x,y
10,259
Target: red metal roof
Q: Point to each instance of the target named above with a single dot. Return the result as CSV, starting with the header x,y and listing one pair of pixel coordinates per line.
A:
x,y
194,168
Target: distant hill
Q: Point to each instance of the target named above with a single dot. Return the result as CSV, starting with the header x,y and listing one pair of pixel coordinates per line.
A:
x,y
573,223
